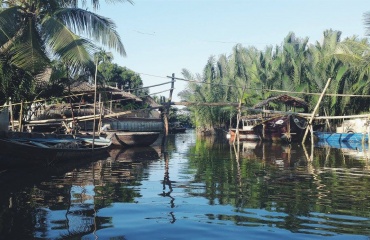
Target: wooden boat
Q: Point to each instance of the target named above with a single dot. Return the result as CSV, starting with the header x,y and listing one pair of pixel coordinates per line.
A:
x,y
285,128
176,127
24,149
130,139
288,126
246,132
177,130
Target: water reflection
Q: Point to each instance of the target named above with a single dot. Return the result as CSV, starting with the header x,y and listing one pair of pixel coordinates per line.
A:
x,y
198,187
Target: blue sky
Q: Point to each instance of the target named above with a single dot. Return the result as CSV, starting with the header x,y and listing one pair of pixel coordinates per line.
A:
x,y
162,37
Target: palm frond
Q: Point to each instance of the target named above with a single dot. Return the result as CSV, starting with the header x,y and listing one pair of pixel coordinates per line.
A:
x,y
28,53
66,45
8,27
92,25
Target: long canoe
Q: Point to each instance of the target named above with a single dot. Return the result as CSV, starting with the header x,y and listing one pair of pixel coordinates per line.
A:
x,y
26,149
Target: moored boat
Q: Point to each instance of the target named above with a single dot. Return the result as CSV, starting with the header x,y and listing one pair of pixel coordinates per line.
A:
x,y
246,132
353,130
130,139
285,128
288,126
24,149
176,127
342,137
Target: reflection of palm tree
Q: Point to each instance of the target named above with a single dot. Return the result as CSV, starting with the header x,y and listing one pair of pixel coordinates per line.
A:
x,y
239,175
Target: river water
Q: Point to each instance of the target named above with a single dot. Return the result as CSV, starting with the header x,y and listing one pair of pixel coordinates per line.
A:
x,y
200,188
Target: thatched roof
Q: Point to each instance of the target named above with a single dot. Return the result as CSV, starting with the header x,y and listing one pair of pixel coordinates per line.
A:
x,y
151,102
82,87
85,87
118,92
285,99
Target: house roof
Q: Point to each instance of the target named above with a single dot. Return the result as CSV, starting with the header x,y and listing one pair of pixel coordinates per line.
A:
x,y
121,93
285,99
151,102
85,87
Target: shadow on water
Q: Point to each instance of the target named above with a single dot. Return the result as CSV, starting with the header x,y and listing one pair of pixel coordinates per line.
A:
x,y
265,190
57,201
285,186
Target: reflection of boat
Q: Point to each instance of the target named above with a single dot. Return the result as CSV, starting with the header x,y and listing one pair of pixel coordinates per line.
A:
x,y
134,154
248,148
353,149
281,155
19,148
246,132
341,145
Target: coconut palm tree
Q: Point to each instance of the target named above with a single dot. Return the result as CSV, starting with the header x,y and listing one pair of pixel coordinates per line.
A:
x,y
34,32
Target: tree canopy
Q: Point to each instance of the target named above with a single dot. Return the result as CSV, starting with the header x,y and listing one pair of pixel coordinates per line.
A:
x,y
295,66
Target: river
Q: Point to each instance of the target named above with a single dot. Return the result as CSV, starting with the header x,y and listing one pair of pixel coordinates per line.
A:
x,y
200,188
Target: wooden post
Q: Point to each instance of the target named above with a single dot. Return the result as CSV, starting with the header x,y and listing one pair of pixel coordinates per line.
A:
x,y
237,135
327,121
315,109
169,103
368,132
11,113
238,117
20,118
96,73
165,113
100,113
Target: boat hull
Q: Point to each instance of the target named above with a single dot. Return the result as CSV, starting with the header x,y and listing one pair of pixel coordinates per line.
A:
x,y
286,128
24,149
134,139
248,135
341,137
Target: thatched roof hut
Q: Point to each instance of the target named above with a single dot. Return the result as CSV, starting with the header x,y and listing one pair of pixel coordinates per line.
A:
x,y
89,89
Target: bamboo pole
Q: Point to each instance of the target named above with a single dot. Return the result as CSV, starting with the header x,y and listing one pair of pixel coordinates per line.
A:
x,y
100,113
237,135
164,115
11,113
96,73
368,132
20,118
315,109
327,120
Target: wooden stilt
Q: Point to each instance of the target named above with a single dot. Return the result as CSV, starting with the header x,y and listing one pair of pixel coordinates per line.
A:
x,y
11,114
20,118
238,117
165,113
95,87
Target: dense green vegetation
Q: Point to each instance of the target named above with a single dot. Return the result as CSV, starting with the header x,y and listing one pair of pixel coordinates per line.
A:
x,y
62,38
56,38
295,66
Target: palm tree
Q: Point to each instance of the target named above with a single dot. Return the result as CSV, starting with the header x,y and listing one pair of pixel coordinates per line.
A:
x,y
32,33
